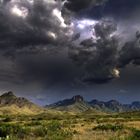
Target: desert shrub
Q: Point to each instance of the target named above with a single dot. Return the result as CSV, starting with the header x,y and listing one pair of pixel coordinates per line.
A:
x,y
73,126
40,131
4,131
54,126
50,131
108,127
7,119
13,130
135,135
56,132
75,132
74,121
34,123
60,135
82,125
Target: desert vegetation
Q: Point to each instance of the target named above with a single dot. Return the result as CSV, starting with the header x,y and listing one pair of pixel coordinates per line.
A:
x,y
123,126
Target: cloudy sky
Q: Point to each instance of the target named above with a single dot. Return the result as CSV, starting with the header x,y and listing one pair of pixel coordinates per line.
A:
x,y
54,49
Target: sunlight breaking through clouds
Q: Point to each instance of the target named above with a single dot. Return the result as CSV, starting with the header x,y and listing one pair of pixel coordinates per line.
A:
x,y
19,11
82,24
57,13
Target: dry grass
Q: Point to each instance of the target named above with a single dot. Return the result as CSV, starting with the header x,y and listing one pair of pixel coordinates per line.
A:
x,y
133,124
101,135
65,126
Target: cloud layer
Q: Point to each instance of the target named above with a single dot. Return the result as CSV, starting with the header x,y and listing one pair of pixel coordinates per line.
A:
x,y
52,42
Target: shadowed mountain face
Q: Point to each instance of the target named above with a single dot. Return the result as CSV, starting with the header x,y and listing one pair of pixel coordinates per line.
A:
x,y
78,103
110,106
67,102
115,106
9,99
75,104
9,103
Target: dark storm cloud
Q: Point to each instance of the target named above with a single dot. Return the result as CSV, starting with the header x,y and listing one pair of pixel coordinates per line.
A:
x,y
121,7
130,53
125,48
37,48
102,60
81,8
25,41
98,59
115,8
78,5
47,68
19,32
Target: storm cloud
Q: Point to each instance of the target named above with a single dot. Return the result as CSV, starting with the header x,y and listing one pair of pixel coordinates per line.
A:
x,y
25,23
99,57
29,30
54,42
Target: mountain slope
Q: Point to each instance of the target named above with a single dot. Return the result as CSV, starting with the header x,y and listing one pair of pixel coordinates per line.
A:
x,y
78,104
75,104
11,104
115,106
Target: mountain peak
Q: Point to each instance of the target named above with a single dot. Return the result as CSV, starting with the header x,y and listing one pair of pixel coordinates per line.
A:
x,y
9,94
77,98
74,104
11,103
9,98
113,102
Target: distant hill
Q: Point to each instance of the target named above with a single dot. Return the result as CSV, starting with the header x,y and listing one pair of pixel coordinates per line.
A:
x,y
115,106
78,104
110,106
11,104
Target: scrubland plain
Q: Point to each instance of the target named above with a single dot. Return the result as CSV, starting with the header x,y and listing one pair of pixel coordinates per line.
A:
x,y
68,126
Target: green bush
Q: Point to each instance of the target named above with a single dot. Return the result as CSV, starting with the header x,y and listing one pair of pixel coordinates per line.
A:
x,y
34,123
107,127
7,119
4,131
40,131
13,130
54,126
135,135
56,132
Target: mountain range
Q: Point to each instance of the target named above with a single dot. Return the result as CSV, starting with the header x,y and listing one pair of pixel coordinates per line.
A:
x,y
11,104
79,104
75,104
